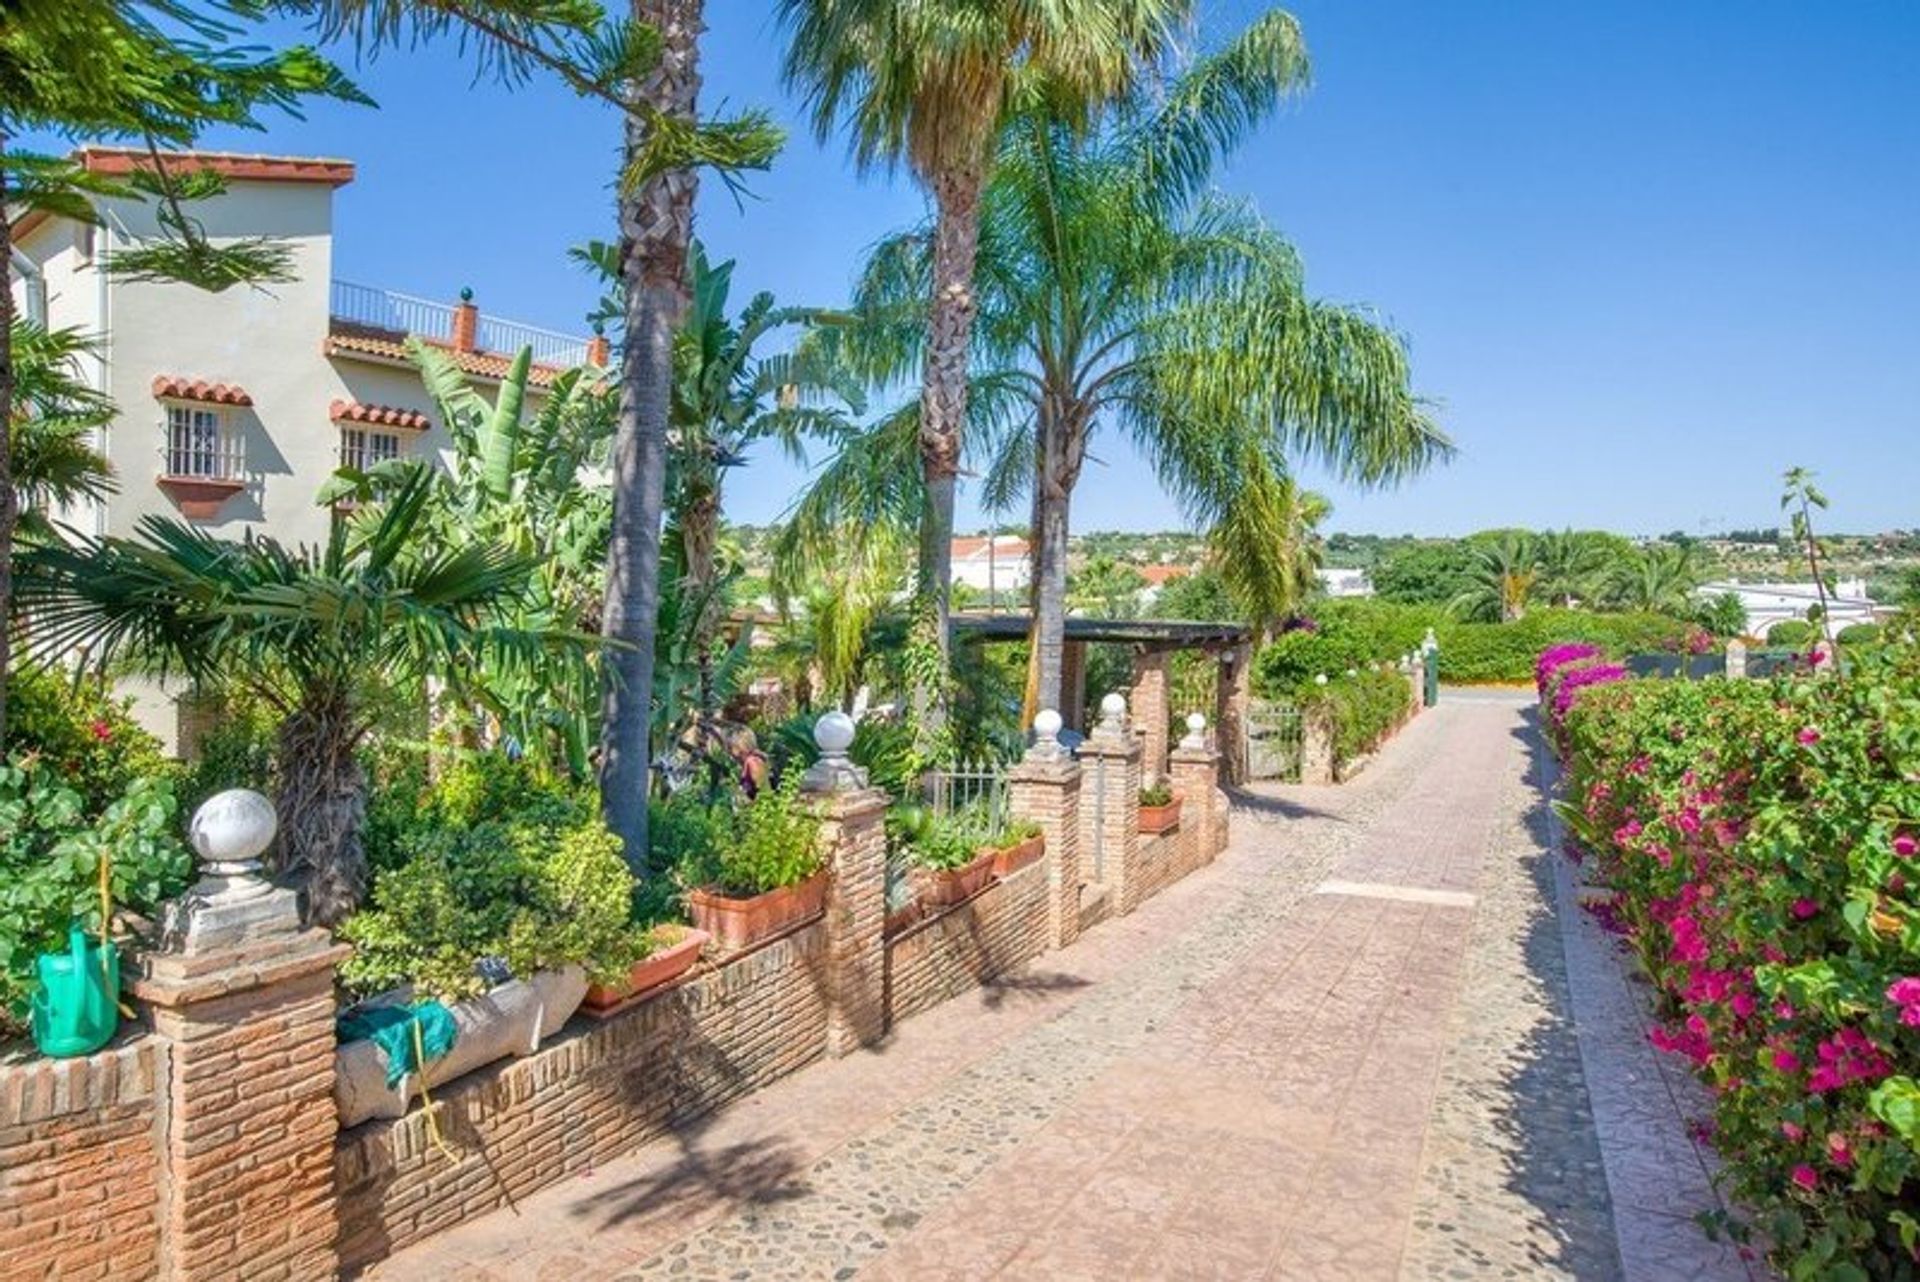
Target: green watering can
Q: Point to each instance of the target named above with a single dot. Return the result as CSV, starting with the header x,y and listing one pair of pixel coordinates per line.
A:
x,y
77,1006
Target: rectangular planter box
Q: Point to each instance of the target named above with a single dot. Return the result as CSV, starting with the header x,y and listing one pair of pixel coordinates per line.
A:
x,y
653,971
1009,860
1155,819
741,923
944,887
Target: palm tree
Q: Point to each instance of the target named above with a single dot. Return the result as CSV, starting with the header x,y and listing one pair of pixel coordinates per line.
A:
x,y
930,83
315,632
1573,566
1109,279
55,415
1266,546
1659,578
1502,580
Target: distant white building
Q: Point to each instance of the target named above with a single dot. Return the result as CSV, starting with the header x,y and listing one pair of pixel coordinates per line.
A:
x,y
1001,563
1771,603
1342,582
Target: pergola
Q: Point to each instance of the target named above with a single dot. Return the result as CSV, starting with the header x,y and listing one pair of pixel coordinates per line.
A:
x,y
1151,641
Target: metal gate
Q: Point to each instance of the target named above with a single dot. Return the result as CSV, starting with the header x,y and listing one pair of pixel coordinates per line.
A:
x,y
1273,740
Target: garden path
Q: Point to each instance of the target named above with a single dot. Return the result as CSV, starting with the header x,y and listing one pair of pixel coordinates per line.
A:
x,y
1375,1039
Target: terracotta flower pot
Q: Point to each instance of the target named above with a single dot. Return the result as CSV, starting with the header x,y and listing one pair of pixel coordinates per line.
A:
x,y
1011,859
656,970
738,923
1160,818
944,887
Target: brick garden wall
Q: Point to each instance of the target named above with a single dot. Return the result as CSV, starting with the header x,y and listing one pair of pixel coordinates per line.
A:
x,y
1168,856
596,1090
78,1167
992,933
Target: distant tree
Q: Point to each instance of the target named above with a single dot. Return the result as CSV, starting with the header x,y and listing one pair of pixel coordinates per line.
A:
x,y
1202,595
1107,588
1660,578
1425,573
1799,499
1502,581
1572,565
1723,615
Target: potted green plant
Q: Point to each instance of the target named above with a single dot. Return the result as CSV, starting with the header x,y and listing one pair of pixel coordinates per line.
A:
x,y
1017,844
946,861
763,877
667,951
1159,808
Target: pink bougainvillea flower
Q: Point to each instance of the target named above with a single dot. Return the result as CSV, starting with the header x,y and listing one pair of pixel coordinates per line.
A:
x,y
1804,908
1786,1061
101,731
1838,1151
1905,845
1808,735
1806,1177
1793,1131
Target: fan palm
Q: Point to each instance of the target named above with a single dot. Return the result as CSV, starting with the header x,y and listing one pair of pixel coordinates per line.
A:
x,y
1115,289
312,631
1659,578
55,415
1501,580
930,82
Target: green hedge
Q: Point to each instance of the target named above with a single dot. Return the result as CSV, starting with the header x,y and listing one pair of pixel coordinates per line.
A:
x,y
1366,707
1355,633
1791,632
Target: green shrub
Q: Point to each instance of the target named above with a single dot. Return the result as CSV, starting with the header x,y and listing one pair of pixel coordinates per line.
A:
x,y
1791,632
235,751
51,846
1158,794
1859,634
921,836
534,892
770,842
1365,708
82,733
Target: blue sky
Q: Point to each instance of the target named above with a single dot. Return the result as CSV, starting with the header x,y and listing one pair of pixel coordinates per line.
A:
x,y
1646,254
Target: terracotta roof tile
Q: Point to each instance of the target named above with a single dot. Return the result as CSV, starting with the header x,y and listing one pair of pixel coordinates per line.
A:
x,y
1156,575
174,388
120,161
389,347
379,416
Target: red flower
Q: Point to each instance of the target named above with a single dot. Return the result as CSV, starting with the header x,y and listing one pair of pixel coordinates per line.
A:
x,y
101,731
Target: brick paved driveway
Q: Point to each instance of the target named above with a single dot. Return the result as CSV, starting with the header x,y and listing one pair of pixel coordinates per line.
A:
x,y
1346,1050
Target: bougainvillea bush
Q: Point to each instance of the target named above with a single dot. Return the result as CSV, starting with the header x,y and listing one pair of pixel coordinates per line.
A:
x,y
1763,840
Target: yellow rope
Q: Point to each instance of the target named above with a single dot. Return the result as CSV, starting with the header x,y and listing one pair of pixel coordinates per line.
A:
x,y
426,1100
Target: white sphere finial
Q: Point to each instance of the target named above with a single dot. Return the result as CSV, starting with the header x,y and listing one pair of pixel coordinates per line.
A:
x,y
1046,724
1114,704
233,827
1321,679
1196,722
834,732
1196,738
1046,736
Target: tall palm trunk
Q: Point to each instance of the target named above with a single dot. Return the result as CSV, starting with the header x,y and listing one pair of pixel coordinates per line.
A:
x,y
1060,449
322,804
943,395
9,508
656,233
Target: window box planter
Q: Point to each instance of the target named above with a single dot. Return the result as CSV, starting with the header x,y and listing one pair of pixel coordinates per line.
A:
x,y
1156,819
512,1019
1009,860
740,923
656,970
944,887
199,498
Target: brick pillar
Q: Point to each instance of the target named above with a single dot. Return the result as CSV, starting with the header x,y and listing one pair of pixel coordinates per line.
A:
x,y
1736,660
466,323
1195,770
1416,683
242,1007
1044,786
599,351
1151,715
1233,695
1316,743
1110,802
854,837
1073,685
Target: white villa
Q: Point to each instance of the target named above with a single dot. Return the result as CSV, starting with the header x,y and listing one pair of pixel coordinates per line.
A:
x,y
235,407
1344,582
997,563
1771,603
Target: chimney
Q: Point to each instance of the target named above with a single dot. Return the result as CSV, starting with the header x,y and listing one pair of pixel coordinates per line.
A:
x,y
599,350
466,322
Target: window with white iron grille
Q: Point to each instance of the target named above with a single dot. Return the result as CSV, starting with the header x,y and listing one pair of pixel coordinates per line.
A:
x,y
201,443
361,449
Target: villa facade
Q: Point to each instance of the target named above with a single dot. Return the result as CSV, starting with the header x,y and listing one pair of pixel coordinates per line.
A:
x,y
234,408
1770,603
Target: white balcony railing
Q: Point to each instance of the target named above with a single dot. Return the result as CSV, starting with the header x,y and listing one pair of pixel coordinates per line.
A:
x,y
409,314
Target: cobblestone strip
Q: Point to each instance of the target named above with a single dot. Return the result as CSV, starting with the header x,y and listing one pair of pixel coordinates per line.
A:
x,y
881,1184
1512,1184
1660,1178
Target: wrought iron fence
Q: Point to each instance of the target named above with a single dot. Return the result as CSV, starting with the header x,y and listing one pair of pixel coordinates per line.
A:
x,y
972,792
1273,740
